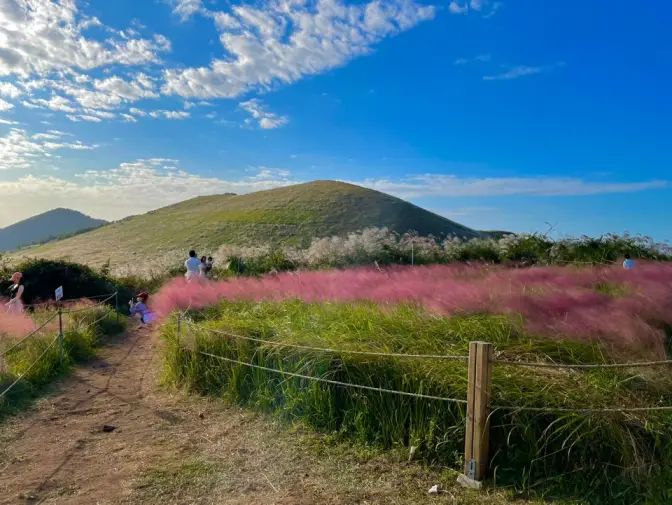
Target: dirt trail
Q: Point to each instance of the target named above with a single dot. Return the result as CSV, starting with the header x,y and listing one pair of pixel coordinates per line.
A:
x,y
172,448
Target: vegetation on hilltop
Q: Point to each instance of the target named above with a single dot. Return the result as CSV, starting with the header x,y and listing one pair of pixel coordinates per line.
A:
x,y
289,216
57,223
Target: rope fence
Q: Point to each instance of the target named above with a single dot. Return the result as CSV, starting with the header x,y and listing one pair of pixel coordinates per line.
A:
x,y
63,300
59,337
480,363
32,365
335,382
327,350
24,339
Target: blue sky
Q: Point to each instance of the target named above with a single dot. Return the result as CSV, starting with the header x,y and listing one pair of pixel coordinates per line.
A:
x,y
500,115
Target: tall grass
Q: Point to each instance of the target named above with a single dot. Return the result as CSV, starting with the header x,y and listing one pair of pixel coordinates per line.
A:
x,y
559,302
82,333
600,458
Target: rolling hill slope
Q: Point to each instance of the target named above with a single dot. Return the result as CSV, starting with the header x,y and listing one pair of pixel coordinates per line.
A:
x,y
292,215
44,227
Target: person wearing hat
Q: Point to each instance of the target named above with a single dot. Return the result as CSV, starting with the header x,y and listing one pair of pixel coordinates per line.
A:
x,y
140,307
15,305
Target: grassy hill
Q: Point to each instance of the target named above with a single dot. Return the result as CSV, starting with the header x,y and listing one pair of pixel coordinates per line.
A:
x,y
44,227
286,216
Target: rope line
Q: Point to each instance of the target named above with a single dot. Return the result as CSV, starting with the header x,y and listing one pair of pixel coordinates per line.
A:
x,y
92,306
99,319
583,367
31,334
50,302
322,349
337,383
29,368
664,408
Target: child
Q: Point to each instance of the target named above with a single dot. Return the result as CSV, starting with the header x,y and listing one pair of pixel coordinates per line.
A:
x,y
202,268
141,308
628,264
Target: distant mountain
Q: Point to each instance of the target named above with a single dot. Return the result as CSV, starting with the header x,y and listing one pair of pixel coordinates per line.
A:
x,y
291,216
57,223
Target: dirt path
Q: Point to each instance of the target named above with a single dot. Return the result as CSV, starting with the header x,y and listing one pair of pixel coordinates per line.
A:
x,y
173,448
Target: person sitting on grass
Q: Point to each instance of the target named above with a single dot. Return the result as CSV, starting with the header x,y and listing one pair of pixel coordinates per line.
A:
x,y
628,263
140,308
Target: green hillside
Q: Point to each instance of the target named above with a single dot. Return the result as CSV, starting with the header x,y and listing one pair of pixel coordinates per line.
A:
x,y
292,216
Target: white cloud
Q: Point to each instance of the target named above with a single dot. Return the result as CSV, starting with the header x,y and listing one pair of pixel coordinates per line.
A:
x,y
186,8
4,106
282,42
432,185
483,58
521,71
137,112
9,90
170,114
19,150
100,113
8,122
128,118
56,102
41,36
486,7
267,120
83,117
458,8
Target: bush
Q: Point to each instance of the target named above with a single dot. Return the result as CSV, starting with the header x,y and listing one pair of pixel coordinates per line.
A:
x,y
42,277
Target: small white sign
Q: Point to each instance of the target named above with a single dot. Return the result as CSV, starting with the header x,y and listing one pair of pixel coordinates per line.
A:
x,y
59,293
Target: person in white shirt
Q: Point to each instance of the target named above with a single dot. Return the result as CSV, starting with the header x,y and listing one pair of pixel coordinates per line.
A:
x,y
192,265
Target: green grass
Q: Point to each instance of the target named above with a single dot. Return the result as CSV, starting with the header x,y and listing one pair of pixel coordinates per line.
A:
x,y
600,458
83,331
287,216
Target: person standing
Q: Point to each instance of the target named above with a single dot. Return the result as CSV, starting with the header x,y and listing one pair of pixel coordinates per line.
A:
x,y
192,265
628,263
15,305
202,268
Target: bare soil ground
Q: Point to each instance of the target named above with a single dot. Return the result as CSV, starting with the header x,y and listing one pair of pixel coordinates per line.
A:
x,y
168,447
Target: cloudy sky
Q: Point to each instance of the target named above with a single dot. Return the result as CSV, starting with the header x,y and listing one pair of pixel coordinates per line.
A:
x,y
498,114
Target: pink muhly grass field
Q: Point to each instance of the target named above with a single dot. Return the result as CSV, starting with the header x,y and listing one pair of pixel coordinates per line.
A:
x,y
13,326
622,308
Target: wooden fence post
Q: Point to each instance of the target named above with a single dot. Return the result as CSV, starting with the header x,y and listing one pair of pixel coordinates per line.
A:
x,y
60,337
478,410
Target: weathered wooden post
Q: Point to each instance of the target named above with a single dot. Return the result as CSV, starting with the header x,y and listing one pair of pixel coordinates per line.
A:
x,y
478,410
60,337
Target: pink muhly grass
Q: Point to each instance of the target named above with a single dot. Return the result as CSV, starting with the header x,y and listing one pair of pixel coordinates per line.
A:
x,y
559,302
14,325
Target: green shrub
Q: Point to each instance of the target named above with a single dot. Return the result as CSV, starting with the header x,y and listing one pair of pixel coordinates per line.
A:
x,y
42,277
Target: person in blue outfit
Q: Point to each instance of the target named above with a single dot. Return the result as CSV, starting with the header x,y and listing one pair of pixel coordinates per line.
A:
x,y
140,308
628,263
